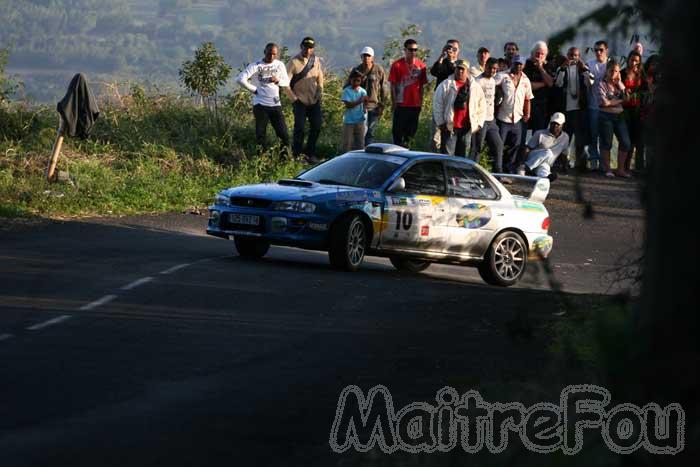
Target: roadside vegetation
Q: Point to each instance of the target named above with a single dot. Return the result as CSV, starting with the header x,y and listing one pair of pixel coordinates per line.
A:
x,y
154,151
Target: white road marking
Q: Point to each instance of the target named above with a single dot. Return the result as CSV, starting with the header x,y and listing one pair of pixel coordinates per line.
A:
x,y
4,337
51,322
99,302
137,283
175,268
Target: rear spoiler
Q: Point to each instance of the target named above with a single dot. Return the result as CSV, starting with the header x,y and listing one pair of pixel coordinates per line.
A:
x,y
540,186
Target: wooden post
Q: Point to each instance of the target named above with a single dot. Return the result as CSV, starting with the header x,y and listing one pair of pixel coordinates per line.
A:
x,y
51,168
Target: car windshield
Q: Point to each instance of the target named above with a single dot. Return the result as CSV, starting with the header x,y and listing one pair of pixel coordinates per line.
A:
x,y
357,171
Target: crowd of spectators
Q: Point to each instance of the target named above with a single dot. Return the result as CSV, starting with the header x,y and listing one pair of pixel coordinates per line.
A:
x,y
524,111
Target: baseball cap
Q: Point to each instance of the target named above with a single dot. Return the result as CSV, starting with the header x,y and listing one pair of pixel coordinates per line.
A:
x,y
308,42
482,49
461,63
558,117
367,51
519,59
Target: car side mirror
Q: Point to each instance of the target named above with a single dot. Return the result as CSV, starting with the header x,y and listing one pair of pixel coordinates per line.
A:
x,y
398,185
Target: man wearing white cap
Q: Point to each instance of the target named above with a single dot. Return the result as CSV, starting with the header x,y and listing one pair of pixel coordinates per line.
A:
x,y
544,147
374,82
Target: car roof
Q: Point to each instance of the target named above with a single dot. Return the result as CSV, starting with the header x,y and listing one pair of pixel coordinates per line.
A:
x,y
386,149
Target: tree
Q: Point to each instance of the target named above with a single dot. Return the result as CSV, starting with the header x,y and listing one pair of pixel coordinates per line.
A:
x,y
666,366
393,48
205,74
8,86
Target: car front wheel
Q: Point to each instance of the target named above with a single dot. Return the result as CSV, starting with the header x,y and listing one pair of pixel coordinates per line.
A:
x,y
348,243
505,260
252,248
409,265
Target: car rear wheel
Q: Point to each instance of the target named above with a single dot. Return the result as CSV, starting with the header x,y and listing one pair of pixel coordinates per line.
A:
x,y
505,260
409,265
348,243
251,247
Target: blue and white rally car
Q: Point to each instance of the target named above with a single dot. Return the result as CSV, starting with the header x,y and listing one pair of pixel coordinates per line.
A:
x,y
414,208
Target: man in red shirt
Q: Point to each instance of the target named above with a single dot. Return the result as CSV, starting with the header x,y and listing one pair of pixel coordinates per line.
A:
x,y
407,77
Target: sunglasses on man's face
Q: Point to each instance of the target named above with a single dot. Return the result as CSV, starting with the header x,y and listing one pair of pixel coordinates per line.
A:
x,y
599,50
412,50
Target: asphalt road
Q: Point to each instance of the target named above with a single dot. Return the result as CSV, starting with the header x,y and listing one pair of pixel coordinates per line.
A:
x,y
141,341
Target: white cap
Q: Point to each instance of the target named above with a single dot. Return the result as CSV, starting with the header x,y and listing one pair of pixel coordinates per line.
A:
x,y
367,51
558,117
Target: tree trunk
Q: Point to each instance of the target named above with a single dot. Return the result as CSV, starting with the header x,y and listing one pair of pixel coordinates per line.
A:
x,y
670,361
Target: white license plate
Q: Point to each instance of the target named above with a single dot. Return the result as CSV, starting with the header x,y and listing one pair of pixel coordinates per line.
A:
x,y
244,219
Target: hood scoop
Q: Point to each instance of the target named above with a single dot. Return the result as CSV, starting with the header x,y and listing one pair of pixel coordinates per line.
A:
x,y
295,182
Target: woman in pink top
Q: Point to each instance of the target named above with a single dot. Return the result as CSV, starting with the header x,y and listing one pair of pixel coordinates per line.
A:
x,y
610,120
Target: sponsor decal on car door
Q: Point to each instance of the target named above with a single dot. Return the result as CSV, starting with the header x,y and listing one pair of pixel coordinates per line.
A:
x,y
474,207
415,217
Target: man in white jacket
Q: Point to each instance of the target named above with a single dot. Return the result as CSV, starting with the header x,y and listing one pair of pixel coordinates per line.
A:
x,y
264,79
459,109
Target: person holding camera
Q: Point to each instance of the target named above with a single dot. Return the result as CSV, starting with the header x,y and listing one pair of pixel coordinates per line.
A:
x,y
597,68
442,69
459,109
611,95
570,81
540,72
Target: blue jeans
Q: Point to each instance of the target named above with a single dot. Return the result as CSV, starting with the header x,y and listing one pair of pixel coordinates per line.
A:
x,y
593,153
609,123
372,120
492,135
510,134
454,143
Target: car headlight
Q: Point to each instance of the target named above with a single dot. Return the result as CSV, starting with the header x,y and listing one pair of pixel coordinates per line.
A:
x,y
294,206
222,200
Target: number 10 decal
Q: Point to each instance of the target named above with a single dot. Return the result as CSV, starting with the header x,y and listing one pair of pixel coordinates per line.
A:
x,y
404,219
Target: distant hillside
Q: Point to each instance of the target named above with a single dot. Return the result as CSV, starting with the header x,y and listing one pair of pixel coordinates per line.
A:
x,y
147,40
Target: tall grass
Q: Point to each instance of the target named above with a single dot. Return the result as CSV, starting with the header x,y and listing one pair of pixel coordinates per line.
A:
x,y
153,153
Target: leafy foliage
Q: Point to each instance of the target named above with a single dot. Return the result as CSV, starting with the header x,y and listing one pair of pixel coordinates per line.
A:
x,y
206,73
393,47
8,86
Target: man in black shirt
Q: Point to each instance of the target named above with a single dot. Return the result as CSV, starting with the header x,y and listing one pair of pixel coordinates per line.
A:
x,y
541,76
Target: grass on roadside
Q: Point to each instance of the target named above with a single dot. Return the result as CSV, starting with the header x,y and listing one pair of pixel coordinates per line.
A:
x,y
155,153
108,185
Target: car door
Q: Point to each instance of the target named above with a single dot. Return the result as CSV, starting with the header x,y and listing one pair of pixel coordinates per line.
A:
x,y
416,216
474,207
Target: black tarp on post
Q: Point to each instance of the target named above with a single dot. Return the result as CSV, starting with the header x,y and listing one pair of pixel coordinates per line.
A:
x,y
78,110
